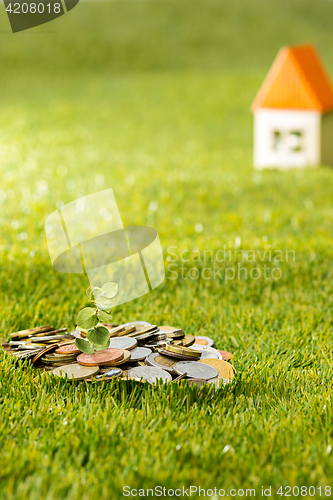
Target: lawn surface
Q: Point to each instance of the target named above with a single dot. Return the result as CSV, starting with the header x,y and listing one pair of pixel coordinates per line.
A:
x,y
152,98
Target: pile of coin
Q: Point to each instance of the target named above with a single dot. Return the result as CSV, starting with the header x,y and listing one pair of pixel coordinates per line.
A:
x,y
137,351
37,342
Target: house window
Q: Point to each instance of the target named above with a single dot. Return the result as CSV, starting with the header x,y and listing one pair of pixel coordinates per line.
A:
x,y
277,140
295,141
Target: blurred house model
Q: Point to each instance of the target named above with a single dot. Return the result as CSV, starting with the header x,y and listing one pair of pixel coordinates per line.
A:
x,y
293,112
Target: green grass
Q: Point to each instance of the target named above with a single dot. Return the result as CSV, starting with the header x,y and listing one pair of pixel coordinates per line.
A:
x,y
155,96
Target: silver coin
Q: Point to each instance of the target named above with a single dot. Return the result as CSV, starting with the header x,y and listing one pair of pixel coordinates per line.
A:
x,y
202,340
218,382
159,361
159,336
158,343
123,343
144,336
28,354
51,337
149,374
193,370
18,342
140,353
207,352
114,372
23,346
31,348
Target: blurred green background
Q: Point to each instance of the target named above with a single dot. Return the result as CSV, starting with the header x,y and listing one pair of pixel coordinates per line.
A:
x,y
152,99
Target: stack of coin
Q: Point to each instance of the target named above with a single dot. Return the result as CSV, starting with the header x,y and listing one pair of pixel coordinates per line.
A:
x,y
26,344
137,351
38,337
180,352
63,355
187,341
101,358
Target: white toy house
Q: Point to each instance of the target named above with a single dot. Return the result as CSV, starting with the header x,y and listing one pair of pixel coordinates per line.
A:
x,y
293,112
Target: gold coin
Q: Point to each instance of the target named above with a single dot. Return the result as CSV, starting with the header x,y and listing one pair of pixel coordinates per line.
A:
x,y
168,328
52,332
127,331
165,361
54,356
186,341
31,331
225,369
60,363
113,331
77,371
184,351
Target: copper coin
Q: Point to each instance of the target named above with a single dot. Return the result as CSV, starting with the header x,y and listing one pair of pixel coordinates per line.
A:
x,y
100,358
127,357
67,349
225,355
37,358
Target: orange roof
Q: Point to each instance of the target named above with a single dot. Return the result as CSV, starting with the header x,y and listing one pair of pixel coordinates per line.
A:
x,y
296,80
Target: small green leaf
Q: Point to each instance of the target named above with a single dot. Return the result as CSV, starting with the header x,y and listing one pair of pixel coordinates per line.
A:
x,y
84,346
99,336
89,291
101,347
104,317
96,292
103,303
110,289
93,291
105,308
84,330
103,300
87,318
